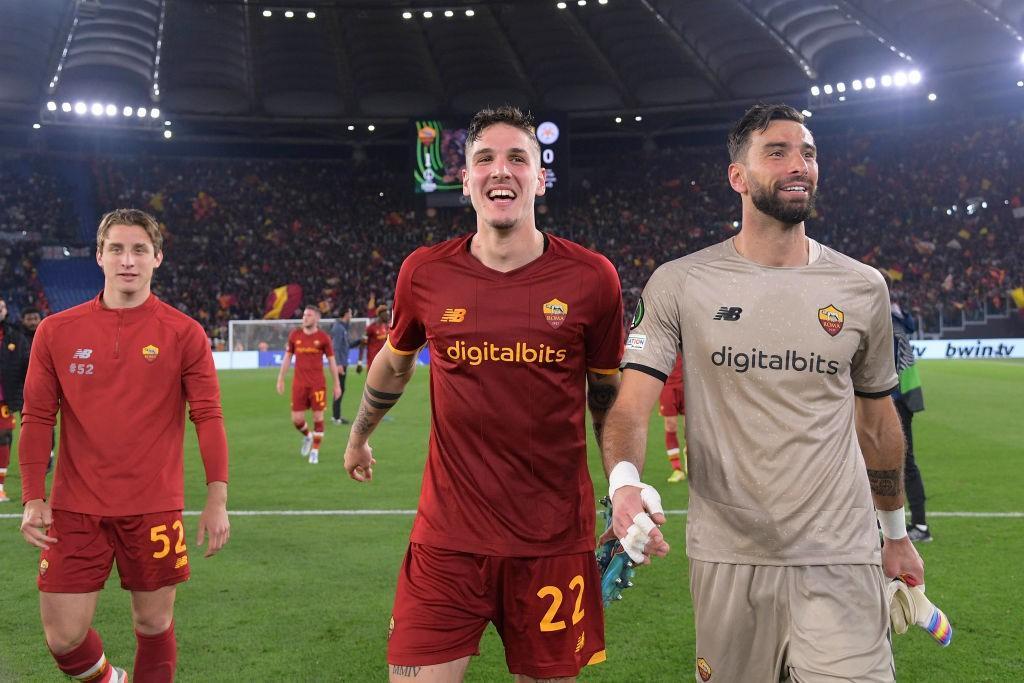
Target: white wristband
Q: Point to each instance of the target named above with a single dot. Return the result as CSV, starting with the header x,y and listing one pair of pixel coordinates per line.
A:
x,y
623,474
893,523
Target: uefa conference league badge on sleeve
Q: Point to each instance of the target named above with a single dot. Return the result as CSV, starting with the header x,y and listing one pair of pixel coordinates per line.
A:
x,y
617,570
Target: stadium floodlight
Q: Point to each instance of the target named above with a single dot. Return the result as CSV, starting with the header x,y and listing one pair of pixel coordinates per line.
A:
x,y
899,79
886,80
932,97
428,15
351,127
815,91
840,87
167,123
470,13
807,113
127,111
602,2
736,224
141,112
110,110
914,77
561,5
96,109
371,128
154,113
842,98
407,15
36,126
311,15
267,13
869,82
638,119
1020,84
51,106
618,119
827,89
65,107
80,108
289,14
168,135
449,14
856,84
581,3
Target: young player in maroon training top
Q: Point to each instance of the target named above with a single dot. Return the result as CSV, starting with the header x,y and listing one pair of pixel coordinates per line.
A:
x,y
374,338
524,329
309,344
673,405
119,369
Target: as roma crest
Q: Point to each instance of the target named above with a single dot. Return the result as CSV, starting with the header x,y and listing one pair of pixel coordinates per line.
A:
x,y
555,312
150,353
831,318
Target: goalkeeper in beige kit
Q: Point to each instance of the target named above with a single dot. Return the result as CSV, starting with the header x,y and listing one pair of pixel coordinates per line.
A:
x,y
795,448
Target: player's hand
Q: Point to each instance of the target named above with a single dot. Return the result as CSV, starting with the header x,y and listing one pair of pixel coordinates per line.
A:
x,y
35,520
359,462
359,368
213,521
636,515
337,391
280,385
900,558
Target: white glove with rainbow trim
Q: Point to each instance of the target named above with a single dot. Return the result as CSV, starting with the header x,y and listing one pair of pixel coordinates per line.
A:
x,y
909,605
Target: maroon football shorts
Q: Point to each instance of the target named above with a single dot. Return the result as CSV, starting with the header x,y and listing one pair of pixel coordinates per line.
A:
x,y
306,397
6,417
149,550
671,401
547,610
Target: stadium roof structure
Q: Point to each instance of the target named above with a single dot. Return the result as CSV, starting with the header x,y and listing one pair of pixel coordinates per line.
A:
x,y
319,67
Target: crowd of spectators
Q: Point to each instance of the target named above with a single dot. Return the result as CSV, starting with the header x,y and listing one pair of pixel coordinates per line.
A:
x,y
939,207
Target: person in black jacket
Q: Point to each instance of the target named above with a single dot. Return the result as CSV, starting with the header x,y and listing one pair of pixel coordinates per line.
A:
x,y
13,367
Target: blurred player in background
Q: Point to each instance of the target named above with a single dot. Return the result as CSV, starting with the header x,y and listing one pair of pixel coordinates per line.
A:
x,y
14,350
119,369
794,441
374,338
341,340
525,329
309,344
30,319
672,407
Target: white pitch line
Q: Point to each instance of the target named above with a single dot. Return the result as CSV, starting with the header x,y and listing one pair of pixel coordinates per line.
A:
x,y
406,513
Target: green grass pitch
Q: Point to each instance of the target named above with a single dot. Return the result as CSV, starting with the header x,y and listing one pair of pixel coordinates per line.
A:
x,y
308,598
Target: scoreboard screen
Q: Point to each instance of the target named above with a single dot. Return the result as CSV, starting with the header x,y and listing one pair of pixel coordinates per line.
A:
x,y
441,156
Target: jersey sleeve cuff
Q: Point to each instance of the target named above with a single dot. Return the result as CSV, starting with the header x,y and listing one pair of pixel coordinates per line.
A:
x,y
399,351
656,374
603,371
875,394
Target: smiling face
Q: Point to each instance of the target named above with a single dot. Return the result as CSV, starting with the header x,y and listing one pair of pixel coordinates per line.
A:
x,y
128,260
503,176
779,172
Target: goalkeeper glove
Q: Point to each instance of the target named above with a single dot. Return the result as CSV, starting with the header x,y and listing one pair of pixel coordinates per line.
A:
x,y
617,570
909,605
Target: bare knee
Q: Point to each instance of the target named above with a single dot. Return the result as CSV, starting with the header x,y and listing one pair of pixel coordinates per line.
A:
x,y
66,619
153,612
63,638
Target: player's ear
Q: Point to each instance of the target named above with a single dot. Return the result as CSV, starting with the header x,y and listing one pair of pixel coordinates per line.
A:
x,y
465,180
542,177
158,258
738,177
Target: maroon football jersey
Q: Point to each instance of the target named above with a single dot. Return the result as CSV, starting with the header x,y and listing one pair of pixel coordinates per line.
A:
x,y
506,471
309,351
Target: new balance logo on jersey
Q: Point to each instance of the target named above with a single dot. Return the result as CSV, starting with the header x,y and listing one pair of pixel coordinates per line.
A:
x,y
82,353
731,313
453,315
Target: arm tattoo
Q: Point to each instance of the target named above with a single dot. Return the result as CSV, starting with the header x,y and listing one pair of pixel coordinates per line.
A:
x,y
885,482
374,405
407,671
600,398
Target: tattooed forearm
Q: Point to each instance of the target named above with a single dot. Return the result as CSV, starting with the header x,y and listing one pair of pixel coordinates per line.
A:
x,y
379,399
407,671
885,482
374,405
600,397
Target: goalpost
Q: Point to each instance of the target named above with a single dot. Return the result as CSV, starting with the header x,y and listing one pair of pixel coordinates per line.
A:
x,y
270,336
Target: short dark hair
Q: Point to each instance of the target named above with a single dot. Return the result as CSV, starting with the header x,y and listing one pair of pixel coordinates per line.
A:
x,y
758,118
507,114
28,310
311,307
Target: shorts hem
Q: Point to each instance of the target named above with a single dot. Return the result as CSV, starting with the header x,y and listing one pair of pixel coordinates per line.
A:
x,y
559,670
155,585
69,588
431,658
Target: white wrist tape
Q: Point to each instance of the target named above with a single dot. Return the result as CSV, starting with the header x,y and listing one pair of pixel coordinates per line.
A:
x,y
893,523
623,474
638,535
